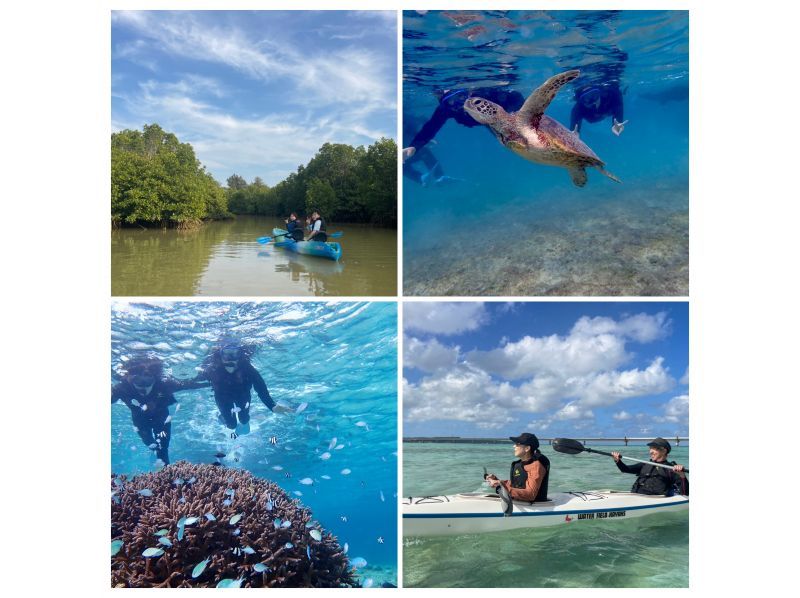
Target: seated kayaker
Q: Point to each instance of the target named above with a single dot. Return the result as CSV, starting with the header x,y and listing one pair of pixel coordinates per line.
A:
x,y
656,480
294,228
318,229
529,473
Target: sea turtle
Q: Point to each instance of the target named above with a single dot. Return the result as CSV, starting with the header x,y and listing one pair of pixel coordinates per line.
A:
x,y
536,137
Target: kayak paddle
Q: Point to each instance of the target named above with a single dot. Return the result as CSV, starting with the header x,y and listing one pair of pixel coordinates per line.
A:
x,y
508,505
573,447
265,240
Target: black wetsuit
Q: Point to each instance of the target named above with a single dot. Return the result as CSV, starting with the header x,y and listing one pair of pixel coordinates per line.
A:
x,y
233,390
655,480
610,104
150,415
452,106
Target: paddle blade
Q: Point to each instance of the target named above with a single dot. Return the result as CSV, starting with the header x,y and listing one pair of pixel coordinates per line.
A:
x,y
335,235
508,505
567,445
264,240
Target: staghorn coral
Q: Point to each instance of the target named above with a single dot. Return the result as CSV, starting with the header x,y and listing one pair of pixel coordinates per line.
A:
x,y
185,490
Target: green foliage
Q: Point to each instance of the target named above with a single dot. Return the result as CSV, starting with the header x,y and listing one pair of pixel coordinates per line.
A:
x,y
345,183
157,179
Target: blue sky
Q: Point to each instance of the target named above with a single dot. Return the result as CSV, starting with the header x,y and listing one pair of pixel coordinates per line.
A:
x,y
256,93
555,369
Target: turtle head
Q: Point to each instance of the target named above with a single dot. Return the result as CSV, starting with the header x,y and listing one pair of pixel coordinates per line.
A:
x,y
483,111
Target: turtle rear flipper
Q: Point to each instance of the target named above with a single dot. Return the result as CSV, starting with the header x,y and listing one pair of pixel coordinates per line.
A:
x,y
578,174
608,174
540,99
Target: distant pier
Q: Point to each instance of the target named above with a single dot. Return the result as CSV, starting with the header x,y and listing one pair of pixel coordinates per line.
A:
x,y
677,440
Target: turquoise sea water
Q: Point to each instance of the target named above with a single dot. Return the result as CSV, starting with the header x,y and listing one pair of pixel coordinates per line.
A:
x,y
507,226
649,552
339,358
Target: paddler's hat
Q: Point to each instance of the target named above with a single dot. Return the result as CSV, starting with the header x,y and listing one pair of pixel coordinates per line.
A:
x,y
660,443
526,438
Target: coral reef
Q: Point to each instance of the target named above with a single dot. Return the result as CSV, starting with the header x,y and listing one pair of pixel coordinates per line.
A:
x,y
211,526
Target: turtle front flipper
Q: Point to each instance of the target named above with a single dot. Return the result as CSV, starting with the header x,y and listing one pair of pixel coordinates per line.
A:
x,y
578,174
540,99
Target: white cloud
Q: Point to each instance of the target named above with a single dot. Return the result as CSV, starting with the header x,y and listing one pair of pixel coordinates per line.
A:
x,y
608,388
444,318
574,355
676,411
622,416
643,328
685,378
462,394
428,356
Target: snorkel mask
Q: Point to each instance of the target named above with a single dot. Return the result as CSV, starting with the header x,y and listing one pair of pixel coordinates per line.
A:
x,y
229,356
143,383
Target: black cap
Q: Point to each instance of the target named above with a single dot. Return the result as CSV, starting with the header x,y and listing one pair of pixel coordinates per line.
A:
x,y
661,443
526,438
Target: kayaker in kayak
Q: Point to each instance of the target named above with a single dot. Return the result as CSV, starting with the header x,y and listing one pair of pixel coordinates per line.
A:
x,y
656,480
451,105
148,394
232,376
293,227
529,473
318,228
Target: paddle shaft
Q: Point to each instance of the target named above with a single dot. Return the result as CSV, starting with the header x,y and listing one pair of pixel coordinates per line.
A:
x,y
588,450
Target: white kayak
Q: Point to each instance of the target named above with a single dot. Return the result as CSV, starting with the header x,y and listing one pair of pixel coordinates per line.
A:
x,y
478,512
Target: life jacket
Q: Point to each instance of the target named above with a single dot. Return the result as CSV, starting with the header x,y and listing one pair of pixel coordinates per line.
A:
x,y
519,477
322,227
655,480
295,230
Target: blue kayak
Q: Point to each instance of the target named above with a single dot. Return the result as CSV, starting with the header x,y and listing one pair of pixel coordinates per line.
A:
x,y
330,250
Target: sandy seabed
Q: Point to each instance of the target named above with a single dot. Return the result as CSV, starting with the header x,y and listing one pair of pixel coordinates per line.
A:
x,y
635,244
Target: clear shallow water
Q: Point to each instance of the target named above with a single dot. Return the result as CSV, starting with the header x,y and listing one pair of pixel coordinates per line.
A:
x,y
340,358
512,227
224,259
648,552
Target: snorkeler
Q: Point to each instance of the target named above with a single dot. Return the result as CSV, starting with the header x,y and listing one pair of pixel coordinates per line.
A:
x,y
232,376
451,105
148,394
593,103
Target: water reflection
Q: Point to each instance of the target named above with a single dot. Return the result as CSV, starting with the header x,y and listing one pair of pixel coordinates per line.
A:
x,y
224,259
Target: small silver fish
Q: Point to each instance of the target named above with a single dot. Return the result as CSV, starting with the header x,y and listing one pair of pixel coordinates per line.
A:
x,y
325,456
227,502
277,523
169,419
146,492
165,541
191,520
332,443
343,518
301,407
382,498
346,548
116,545
248,550
308,551
273,440
339,447
191,480
144,407
288,545
178,482
297,493
235,409
270,505
316,534
306,481
230,583
325,477
277,468
210,517
199,568
135,403
161,532
260,568
152,552
288,474
235,519
237,531
346,471
286,524
367,583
